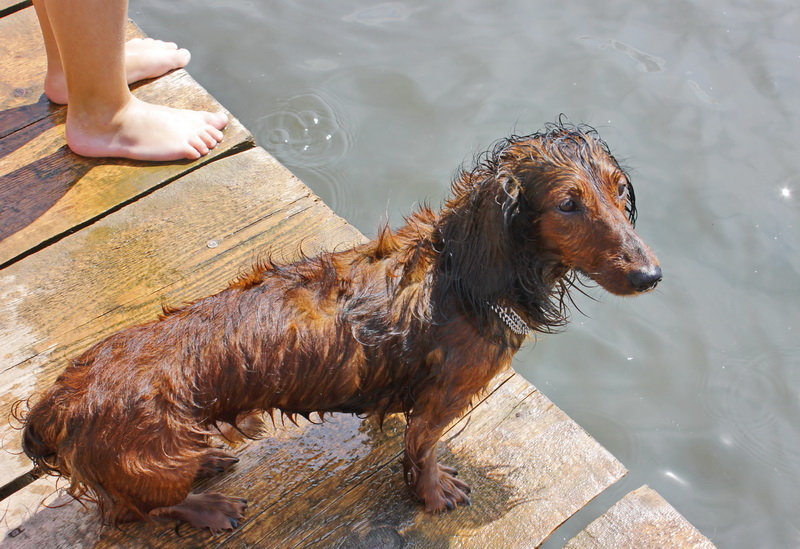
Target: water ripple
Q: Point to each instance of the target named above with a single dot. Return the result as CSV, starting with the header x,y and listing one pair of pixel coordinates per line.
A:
x,y
645,62
746,395
306,130
381,14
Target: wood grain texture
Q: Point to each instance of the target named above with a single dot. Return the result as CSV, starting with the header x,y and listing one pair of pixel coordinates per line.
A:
x,y
22,70
642,519
530,467
47,191
182,242
339,484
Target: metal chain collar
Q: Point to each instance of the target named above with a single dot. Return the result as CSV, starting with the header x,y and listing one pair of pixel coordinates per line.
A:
x,y
511,318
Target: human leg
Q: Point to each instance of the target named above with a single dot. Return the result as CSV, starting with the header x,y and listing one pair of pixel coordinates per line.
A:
x,y
144,58
104,119
55,84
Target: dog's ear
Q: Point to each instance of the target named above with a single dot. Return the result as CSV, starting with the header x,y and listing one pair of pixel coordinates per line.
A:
x,y
478,235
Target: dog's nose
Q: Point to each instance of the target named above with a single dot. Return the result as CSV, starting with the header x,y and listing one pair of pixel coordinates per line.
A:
x,y
645,279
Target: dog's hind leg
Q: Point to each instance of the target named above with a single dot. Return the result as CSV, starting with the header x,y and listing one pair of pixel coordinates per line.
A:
x,y
207,510
160,490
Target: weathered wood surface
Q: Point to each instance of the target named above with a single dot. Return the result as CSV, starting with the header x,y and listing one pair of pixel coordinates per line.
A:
x,y
22,70
46,190
642,519
22,67
530,466
182,242
340,484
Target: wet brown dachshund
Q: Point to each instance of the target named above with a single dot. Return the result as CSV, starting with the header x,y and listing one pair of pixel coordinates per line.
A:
x,y
416,321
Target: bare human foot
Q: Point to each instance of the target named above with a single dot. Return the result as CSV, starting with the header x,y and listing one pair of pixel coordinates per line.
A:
x,y
144,58
143,131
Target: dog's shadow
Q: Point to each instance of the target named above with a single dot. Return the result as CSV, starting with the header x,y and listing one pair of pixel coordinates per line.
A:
x,y
391,517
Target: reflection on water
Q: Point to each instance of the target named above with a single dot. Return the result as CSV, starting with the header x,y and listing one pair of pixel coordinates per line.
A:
x,y
694,387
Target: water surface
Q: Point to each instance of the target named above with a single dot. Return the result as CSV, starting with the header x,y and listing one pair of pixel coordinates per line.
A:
x,y
696,387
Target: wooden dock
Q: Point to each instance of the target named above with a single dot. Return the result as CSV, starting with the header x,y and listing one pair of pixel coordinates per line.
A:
x,y
90,246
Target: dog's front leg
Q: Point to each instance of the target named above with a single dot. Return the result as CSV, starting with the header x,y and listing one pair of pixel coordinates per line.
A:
x,y
434,484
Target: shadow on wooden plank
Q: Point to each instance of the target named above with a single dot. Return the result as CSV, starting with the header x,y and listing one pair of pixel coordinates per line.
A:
x,y
24,195
14,118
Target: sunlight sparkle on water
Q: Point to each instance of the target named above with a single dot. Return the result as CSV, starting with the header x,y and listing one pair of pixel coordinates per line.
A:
x,y
786,192
676,478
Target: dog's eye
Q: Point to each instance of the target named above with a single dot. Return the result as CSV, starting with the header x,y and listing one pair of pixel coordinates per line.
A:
x,y
622,189
568,205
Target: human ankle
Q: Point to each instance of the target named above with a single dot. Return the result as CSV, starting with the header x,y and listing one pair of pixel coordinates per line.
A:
x,y
99,115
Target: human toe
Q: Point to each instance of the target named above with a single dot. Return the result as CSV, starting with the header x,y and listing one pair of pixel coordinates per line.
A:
x,y
208,139
181,57
217,120
199,145
191,152
215,133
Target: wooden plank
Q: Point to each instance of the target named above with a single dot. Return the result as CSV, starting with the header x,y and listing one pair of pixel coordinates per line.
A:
x,y
24,63
8,7
20,506
340,484
47,191
641,519
22,71
531,467
180,243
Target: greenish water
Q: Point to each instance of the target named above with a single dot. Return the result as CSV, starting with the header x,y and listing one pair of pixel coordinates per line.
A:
x,y
695,387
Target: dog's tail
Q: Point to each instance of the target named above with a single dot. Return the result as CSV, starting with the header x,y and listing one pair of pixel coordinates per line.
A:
x,y
42,428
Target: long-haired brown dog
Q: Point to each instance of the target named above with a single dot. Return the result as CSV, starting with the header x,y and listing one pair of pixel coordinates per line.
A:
x,y
416,321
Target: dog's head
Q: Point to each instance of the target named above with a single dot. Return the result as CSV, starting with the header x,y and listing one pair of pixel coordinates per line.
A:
x,y
538,206
583,207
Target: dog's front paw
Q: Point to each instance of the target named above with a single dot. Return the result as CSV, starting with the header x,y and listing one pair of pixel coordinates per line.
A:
x,y
443,492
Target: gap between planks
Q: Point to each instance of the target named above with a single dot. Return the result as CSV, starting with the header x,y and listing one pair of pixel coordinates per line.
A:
x,y
7,8
245,145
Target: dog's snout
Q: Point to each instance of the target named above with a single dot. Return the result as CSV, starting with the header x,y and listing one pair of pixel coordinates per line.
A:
x,y
645,279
